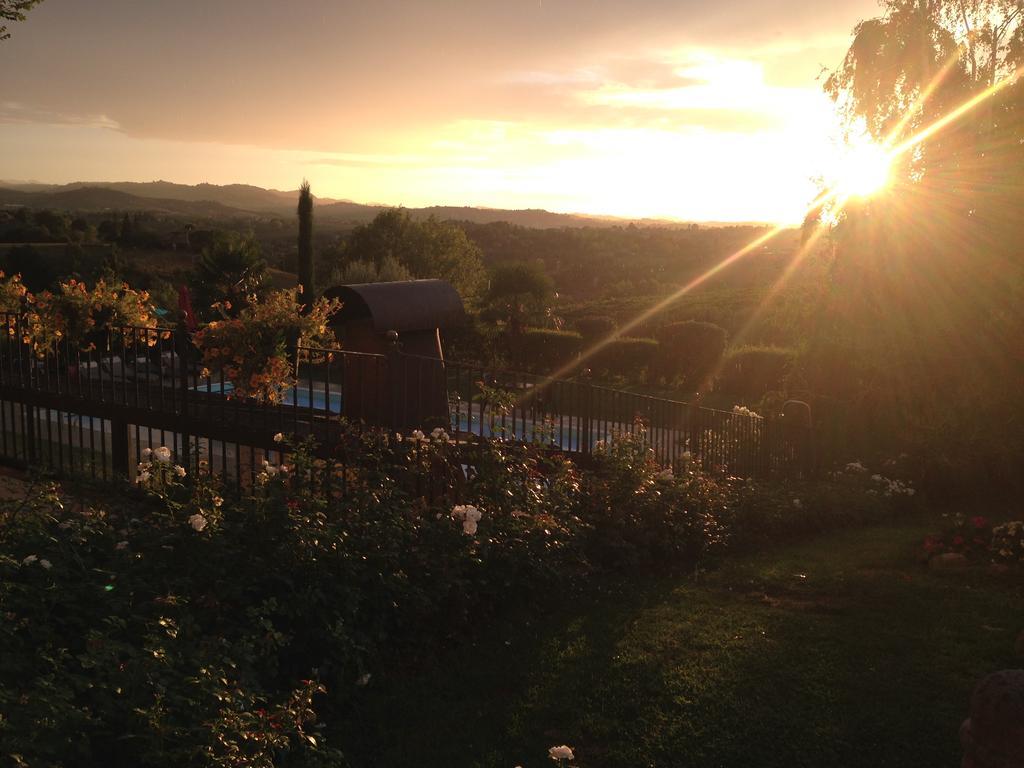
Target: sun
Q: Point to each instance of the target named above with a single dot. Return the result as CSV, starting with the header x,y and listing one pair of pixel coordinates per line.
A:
x,y
862,170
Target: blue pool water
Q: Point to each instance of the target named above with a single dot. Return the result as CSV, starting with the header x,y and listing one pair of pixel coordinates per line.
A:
x,y
318,399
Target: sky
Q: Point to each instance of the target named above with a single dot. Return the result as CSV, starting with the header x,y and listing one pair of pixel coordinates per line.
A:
x,y
689,109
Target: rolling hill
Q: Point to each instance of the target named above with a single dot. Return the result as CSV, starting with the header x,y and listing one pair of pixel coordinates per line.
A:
x,y
243,200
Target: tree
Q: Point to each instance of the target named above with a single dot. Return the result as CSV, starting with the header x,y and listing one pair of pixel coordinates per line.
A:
x,y
306,267
520,293
690,350
230,269
919,338
918,62
354,272
14,10
428,249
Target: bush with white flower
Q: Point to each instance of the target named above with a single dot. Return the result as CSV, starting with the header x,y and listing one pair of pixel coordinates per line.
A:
x,y
742,410
469,516
240,611
561,754
157,472
1008,543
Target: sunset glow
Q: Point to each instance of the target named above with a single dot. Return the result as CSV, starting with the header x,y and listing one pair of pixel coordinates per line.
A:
x,y
561,108
862,170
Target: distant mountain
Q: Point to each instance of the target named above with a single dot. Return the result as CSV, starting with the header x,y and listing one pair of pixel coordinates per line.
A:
x,y
98,199
243,200
242,196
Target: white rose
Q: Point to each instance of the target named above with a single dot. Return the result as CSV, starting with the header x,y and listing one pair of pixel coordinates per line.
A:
x,y
469,527
163,454
197,521
147,452
560,753
179,470
279,437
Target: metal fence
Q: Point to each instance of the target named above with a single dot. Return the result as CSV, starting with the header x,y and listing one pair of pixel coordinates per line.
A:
x,y
93,411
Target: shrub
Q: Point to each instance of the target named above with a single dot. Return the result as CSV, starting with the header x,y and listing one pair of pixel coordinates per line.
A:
x,y
690,350
1008,542
642,514
595,327
968,536
546,350
177,628
86,319
626,357
253,349
751,372
12,293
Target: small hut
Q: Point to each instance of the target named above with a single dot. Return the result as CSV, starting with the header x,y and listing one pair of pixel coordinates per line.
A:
x,y
403,320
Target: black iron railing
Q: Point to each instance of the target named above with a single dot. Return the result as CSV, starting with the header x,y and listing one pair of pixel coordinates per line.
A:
x,y
93,409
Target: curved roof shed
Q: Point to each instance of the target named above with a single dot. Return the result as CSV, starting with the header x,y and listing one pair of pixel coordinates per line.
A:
x,y
410,305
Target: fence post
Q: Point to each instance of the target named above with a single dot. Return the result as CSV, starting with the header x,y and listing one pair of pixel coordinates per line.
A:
x,y
119,448
693,438
586,444
395,374
180,346
31,457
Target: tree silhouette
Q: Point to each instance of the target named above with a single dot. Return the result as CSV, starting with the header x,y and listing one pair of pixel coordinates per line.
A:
x,y
918,62
520,293
306,267
229,269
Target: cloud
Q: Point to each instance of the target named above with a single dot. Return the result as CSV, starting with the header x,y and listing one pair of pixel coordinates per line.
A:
x,y
17,113
682,89
377,161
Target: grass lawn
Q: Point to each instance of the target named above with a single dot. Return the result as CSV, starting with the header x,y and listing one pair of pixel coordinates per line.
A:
x,y
839,651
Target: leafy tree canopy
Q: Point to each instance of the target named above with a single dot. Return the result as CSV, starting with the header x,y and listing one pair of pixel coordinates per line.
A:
x,y
428,249
519,293
921,60
14,10
230,269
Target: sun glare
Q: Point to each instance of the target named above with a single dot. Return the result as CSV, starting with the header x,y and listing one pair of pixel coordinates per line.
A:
x,y
863,170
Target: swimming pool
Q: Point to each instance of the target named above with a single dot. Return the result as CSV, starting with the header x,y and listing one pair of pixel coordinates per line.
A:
x,y
304,397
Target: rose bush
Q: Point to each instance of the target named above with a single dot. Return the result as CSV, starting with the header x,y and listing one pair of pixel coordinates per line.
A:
x,y
87,319
174,627
968,536
254,349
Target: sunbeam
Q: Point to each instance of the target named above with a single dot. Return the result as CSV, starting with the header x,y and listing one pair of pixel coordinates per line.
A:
x,y
839,192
